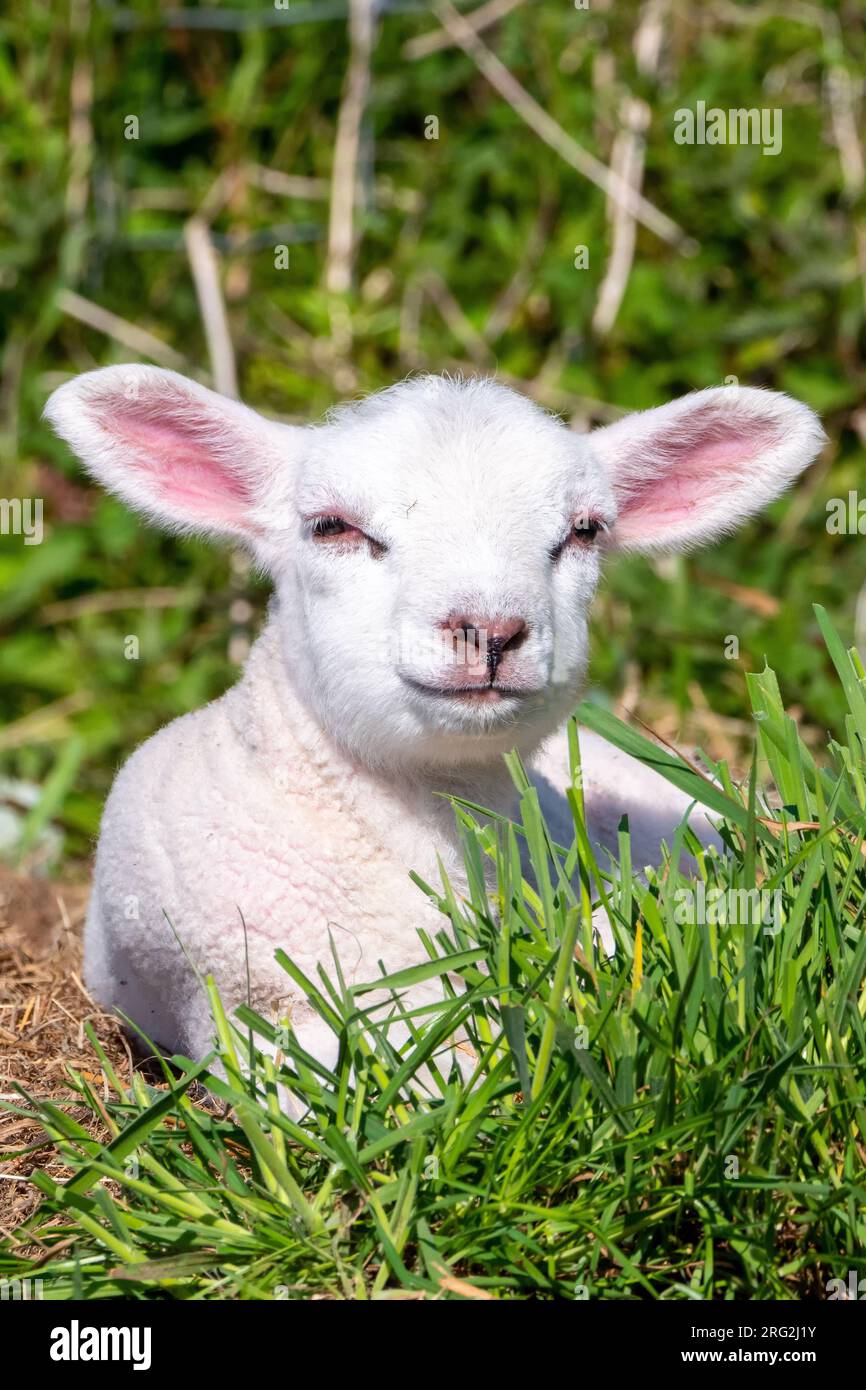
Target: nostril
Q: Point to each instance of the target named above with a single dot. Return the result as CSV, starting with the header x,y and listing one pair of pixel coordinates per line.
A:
x,y
484,641
468,641
505,632
509,635
502,638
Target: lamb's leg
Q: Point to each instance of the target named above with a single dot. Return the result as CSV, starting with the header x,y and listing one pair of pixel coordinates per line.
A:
x,y
126,987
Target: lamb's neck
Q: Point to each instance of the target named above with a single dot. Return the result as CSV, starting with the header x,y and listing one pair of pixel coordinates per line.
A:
x,y
273,721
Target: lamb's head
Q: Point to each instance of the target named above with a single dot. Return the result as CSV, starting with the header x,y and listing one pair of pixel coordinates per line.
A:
x,y
435,547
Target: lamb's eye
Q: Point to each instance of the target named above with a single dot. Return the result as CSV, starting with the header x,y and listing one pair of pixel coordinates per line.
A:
x,y
342,535
586,529
324,527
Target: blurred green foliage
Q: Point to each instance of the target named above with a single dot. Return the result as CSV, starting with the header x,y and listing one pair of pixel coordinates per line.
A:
x,y
773,294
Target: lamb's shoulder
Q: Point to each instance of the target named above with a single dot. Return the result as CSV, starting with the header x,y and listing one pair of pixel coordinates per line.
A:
x,y
188,774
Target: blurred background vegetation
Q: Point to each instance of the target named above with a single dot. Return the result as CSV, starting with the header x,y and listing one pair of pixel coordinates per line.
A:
x,y
175,186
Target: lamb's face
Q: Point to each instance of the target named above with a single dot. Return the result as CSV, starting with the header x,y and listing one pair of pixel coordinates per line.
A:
x,y
436,548
448,547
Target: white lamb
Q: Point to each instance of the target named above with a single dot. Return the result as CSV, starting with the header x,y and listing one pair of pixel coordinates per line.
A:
x,y
434,549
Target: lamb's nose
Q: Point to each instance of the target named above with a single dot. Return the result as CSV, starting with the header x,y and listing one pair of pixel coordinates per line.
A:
x,y
487,640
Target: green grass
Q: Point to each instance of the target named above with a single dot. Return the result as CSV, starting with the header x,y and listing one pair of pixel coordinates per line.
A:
x,y
683,1120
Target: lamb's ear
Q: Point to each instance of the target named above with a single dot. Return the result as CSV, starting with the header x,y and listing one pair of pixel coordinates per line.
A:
x,y
691,470
191,459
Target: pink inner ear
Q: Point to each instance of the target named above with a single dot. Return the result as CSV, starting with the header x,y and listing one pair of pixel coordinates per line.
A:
x,y
181,463
687,475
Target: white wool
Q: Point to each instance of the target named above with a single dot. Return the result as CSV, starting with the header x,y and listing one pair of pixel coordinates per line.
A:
x,y
303,797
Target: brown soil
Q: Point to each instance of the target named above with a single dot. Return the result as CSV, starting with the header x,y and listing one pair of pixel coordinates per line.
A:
x,y
43,1009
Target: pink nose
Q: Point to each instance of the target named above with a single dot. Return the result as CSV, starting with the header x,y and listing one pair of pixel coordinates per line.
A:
x,y
485,641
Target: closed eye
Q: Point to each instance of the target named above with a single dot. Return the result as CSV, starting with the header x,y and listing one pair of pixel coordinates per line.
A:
x,y
324,527
336,531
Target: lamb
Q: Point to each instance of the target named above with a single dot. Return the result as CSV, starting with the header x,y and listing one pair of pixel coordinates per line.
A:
x,y
434,550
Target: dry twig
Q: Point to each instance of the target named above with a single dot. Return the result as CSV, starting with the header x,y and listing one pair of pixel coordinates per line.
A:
x,y
205,273
344,176
129,335
535,116
627,162
438,39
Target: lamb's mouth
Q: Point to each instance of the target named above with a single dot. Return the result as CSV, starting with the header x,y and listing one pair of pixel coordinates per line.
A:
x,y
468,694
